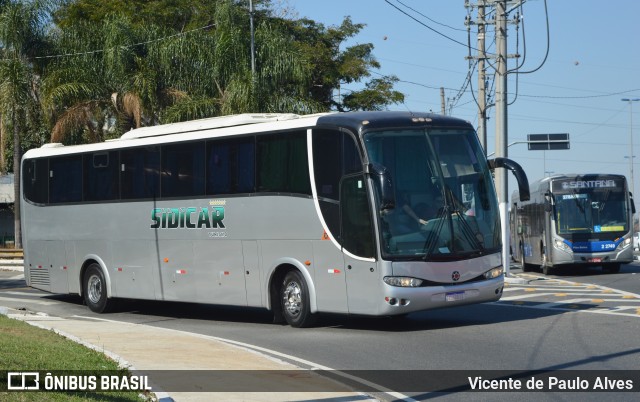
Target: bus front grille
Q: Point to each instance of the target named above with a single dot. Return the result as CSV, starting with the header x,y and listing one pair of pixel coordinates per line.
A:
x,y
39,276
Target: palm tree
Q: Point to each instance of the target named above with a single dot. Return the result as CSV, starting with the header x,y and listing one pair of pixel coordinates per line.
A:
x,y
87,87
121,75
212,68
21,36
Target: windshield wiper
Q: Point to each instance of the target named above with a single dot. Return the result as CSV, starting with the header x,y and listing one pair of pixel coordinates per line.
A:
x,y
464,226
452,207
433,235
468,231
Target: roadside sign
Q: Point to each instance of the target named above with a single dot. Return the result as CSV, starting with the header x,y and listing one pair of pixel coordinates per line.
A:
x,y
547,142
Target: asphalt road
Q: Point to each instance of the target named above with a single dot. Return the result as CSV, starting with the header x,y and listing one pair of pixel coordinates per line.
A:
x,y
569,321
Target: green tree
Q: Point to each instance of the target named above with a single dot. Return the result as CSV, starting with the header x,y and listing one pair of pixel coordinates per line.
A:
x,y
88,88
22,27
147,74
333,67
176,15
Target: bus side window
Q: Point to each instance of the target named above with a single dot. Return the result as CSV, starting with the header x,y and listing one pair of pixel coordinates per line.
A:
x,y
65,179
36,180
326,144
230,166
140,172
357,227
282,163
183,169
101,176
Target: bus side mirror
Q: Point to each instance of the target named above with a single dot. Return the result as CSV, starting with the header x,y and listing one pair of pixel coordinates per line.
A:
x,y
518,172
548,202
382,179
633,204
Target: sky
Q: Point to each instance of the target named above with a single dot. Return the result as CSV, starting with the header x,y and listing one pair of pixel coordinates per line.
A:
x,y
593,63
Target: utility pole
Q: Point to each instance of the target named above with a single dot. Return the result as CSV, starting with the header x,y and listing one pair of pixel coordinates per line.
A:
x,y
481,57
253,40
482,81
501,103
442,103
502,186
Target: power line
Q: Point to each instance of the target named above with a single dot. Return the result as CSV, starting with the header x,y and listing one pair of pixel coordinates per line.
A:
x,y
431,19
126,46
425,25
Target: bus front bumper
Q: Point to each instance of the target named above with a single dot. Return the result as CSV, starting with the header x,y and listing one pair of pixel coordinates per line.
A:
x,y
403,300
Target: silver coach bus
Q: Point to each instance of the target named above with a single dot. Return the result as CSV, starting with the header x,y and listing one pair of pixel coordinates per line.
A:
x,y
574,220
373,213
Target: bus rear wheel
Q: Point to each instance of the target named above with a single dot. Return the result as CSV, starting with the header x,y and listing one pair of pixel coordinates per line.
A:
x,y
94,290
294,295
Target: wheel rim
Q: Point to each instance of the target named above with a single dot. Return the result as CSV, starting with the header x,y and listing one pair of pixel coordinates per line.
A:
x,y
292,299
94,289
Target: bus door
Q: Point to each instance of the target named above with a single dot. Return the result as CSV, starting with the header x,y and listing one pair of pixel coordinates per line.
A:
x,y
363,278
252,272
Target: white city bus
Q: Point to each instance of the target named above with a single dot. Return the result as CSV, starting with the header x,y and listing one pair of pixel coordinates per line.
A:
x,y
373,213
573,220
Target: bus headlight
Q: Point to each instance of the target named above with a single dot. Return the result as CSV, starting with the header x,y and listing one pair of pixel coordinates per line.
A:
x,y
626,243
493,273
402,281
562,246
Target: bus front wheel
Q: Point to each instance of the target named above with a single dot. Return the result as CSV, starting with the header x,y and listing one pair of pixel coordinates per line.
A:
x,y
525,267
294,295
95,290
613,268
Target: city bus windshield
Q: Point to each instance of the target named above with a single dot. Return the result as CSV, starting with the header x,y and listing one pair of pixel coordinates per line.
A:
x,y
445,204
591,211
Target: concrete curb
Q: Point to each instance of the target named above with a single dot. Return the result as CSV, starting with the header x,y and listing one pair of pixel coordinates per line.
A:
x,y
139,347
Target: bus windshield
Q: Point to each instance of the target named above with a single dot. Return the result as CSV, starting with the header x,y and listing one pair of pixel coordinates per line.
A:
x,y
591,212
445,204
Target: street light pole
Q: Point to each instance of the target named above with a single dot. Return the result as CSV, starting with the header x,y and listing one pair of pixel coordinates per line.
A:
x,y
630,101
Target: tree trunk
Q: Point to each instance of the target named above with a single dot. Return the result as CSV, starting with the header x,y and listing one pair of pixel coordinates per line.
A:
x,y
17,156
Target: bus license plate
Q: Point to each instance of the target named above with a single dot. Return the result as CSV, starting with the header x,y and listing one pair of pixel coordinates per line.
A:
x,y
454,296
595,259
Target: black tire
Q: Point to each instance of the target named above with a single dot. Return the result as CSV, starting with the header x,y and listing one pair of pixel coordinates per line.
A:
x,y
94,290
547,270
525,267
294,297
613,268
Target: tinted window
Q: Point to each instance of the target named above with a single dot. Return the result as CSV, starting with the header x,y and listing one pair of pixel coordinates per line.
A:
x,y
357,228
282,163
140,172
183,169
334,155
36,180
65,179
231,166
101,176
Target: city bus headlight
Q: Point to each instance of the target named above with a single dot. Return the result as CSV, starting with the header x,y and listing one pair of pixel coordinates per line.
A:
x,y
402,281
626,243
562,246
493,273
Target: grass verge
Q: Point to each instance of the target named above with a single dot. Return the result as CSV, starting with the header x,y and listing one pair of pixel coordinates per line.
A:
x,y
24,347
